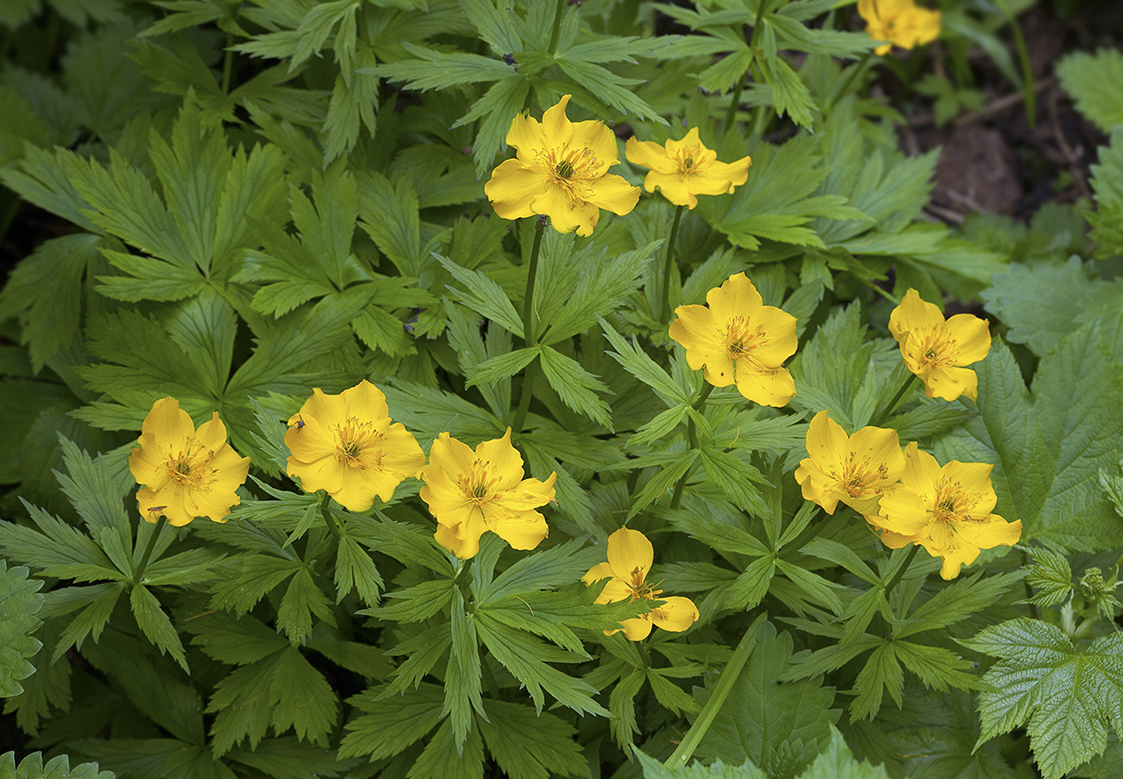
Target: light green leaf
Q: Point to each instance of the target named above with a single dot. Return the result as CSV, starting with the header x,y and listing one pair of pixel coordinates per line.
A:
x,y
575,386
1069,697
33,767
1095,82
156,625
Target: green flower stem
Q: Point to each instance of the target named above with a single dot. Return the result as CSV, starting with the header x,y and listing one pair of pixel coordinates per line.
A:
x,y
329,520
559,14
862,66
692,437
531,371
734,104
901,571
721,691
148,549
228,63
889,408
665,308
1028,89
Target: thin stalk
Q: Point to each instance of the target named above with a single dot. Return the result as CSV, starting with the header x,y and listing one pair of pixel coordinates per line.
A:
x,y
329,520
853,74
1029,590
559,14
148,550
1028,88
227,63
10,215
665,308
734,104
901,571
905,387
531,371
887,295
729,676
692,438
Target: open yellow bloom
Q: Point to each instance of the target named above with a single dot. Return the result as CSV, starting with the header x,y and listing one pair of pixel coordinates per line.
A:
x,y
900,22
854,469
946,510
739,340
345,445
935,349
473,491
680,170
186,473
629,560
561,170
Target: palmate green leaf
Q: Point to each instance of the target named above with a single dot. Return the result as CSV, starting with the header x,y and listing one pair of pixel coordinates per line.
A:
x,y
20,603
1068,696
57,549
42,179
387,726
47,285
501,367
575,386
156,625
497,107
1095,82
441,70
1048,453
484,296
789,94
637,362
441,760
164,757
1107,181
837,762
288,758
302,599
96,603
354,102
676,465
735,477
33,767
463,674
527,745
526,658
765,721
104,84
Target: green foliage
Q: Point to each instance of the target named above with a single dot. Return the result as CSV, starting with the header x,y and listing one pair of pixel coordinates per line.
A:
x,y
33,767
1067,697
19,605
1093,82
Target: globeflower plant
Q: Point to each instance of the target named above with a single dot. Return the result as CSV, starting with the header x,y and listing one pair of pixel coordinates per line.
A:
x,y
737,340
946,509
346,445
185,473
630,556
473,491
325,456
936,349
683,169
560,171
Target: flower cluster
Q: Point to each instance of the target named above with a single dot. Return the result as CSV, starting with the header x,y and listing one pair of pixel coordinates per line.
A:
x,y
906,495
560,170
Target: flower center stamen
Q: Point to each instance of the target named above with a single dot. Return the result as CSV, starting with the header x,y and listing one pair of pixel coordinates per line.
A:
x,y
479,483
356,444
740,338
188,467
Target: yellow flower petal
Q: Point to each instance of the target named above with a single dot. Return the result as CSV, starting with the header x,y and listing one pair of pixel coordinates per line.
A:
x,y
630,554
512,188
636,629
676,615
649,154
971,336
683,169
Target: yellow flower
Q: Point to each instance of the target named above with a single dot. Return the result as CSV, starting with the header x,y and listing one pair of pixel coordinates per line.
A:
x,y
186,473
935,349
854,469
900,22
739,340
629,561
680,170
946,510
472,492
561,170
345,445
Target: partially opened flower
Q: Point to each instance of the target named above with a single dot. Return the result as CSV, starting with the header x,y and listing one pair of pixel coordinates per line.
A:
x,y
346,446
935,349
947,510
853,469
629,561
561,170
739,340
185,473
473,491
681,170
900,22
